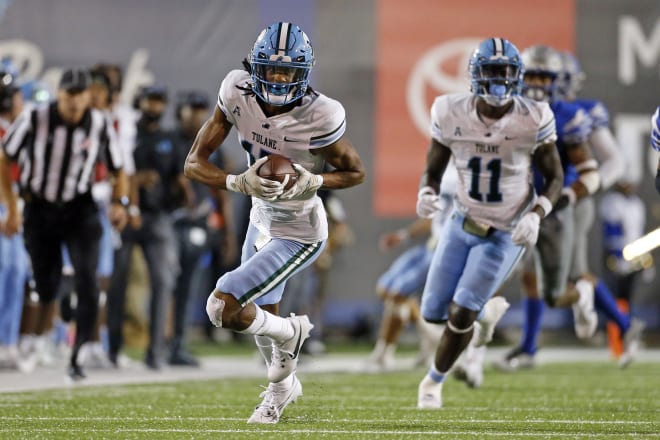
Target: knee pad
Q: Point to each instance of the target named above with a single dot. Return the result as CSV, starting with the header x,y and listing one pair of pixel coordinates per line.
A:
x,y
214,308
461,320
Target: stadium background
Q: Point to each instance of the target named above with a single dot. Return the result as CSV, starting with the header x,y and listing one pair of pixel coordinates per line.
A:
x,y
384,60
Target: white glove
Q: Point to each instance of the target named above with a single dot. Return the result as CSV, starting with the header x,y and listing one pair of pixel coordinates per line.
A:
x,y
305,187
526,231
428,202
251,184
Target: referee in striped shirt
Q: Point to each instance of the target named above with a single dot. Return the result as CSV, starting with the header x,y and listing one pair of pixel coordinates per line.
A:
x,y
58,147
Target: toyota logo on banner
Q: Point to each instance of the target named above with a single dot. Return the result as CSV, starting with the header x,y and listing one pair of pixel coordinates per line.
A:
x,y
429,73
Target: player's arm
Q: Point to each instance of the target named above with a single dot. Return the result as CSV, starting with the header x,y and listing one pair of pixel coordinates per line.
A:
x,y
417,229
348,169
579,155
437,159
208,139
547,161
428,200
606,150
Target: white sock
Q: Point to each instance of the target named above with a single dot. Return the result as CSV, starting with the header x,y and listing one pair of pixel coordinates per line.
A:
x,y
265,347
390,349
285,383
379,349
266,324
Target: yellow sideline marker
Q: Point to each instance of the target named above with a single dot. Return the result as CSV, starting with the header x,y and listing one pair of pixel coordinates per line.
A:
x,y
642,245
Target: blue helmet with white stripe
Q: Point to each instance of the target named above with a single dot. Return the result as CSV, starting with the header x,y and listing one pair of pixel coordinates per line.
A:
x,y
543,70
281,60
495,70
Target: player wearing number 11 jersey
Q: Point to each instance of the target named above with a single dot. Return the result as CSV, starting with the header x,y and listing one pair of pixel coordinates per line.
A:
x,y
493,135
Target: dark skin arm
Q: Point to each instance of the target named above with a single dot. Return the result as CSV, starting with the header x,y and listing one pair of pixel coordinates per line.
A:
x,y
437,159
546,159
208,139
348,171
577,154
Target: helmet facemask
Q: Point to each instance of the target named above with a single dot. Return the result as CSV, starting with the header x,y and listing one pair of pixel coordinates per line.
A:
x,y
540,85
279,82
496,83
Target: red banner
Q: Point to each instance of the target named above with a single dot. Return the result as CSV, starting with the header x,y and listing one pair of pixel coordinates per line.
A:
x,y
423,50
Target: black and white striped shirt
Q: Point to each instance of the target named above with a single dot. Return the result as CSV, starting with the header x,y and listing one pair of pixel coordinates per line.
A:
x,y
58,161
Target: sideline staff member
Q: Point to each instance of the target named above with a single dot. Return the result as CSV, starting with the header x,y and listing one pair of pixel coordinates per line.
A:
x,y
57,146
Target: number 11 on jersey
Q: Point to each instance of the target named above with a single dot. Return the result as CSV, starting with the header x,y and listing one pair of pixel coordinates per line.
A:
x,y
495,168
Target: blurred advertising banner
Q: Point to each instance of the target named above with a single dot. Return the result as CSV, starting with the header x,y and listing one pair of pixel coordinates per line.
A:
x,y
422,51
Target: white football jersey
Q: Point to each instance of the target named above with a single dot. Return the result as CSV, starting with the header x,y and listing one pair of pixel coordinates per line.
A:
x,y
493,159
316,122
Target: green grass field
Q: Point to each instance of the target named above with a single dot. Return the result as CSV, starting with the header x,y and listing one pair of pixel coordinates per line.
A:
x,y
585,400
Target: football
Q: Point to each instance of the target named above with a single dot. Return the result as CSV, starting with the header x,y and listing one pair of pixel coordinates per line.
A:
x,y
277,168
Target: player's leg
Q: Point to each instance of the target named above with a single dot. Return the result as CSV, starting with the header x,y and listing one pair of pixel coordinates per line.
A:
x,y
237,304
449,259
116,299
405,276
489,261
628,330
579,295
162,260
545,267
97,356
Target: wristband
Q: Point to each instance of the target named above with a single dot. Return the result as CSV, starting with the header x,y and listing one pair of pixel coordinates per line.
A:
x,y
123,201
230,182
545,204
134,210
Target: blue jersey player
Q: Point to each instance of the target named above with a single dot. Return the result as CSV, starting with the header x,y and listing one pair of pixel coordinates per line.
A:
x,y
555,248
610,167
493,136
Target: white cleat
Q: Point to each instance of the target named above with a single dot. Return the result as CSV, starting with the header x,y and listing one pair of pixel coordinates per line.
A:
x,y
494,309
586,318
429,394
285,355
631,341
276,397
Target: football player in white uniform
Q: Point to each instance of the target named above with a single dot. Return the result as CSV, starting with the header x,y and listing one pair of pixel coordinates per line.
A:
x,y
404,278
655,142
275,111
493,135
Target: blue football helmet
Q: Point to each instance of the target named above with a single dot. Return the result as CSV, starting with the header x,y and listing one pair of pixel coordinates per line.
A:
x,y
281,60
495,70
543,70
572,76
